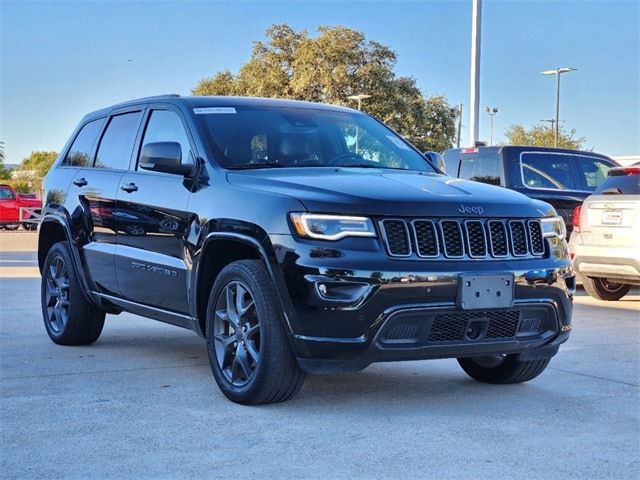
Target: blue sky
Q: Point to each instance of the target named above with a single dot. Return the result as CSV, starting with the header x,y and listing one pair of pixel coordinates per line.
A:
x,y
61,59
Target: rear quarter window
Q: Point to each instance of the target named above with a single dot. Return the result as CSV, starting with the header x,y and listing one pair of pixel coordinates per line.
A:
x,y
79,155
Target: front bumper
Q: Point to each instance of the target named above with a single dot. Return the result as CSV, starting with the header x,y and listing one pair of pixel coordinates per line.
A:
x,y
349,307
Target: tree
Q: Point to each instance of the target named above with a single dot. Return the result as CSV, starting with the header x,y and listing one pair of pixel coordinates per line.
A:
x,y
330,67
543,136
37,164
4,173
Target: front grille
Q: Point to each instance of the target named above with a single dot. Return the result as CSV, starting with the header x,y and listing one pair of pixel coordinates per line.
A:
x,y
518,238
452,238
396,236
460,238
426,238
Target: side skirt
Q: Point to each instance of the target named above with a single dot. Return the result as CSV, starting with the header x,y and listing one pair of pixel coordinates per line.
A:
x,y
173,318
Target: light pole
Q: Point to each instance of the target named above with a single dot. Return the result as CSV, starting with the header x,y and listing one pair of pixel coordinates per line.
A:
x,y
359,98
492,112
474,90
459,125
558,72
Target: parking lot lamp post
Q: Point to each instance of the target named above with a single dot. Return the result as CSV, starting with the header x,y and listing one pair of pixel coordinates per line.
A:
x,y
558,72
491,111
359,98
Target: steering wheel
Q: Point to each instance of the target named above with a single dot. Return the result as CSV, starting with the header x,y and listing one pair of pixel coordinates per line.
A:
x,y
350,157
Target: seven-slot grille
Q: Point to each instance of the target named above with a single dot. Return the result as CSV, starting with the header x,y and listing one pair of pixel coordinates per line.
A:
x,y
460,238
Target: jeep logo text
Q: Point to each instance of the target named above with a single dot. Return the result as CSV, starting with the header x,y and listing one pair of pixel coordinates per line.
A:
x,y
471,210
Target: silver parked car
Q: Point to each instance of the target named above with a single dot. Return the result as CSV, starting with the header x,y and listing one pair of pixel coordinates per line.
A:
x,y
605,242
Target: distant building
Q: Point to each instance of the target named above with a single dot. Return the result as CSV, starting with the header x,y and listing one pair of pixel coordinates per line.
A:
x,y
626,160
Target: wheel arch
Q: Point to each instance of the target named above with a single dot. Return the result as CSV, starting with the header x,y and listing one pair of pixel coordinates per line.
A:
x,y
54,229
219,250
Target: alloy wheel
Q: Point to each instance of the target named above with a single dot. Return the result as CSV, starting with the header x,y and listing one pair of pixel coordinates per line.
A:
x,y
57,295
236,330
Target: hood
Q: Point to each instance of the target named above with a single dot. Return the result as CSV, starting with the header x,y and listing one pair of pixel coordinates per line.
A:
x,y
389,192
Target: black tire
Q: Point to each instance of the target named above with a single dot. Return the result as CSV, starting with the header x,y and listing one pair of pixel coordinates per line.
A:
x,y
603,289
12,226
69,318
246,374
502,369
29,227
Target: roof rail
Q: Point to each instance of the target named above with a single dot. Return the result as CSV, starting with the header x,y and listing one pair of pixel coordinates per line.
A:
x,y
154,97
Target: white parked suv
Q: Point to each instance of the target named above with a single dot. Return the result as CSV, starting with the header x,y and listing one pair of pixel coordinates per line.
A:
x,y
605,242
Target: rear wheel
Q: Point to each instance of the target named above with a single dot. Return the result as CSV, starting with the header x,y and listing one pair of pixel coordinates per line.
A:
x,y
501,369
69,318
249,353
604,289
11,226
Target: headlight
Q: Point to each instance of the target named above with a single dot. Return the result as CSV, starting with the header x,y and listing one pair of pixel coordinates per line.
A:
x,y
554,227
331,227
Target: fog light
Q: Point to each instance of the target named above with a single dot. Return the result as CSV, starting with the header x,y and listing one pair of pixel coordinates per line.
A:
x,y
322,288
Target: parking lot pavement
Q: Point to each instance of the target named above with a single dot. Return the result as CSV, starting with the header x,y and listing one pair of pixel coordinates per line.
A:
x,y
141,403
18,257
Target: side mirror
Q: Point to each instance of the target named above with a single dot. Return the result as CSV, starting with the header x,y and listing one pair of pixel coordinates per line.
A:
x,y
436,159
164,157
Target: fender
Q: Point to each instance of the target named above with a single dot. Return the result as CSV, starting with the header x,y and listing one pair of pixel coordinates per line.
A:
x,y
75,253
269,262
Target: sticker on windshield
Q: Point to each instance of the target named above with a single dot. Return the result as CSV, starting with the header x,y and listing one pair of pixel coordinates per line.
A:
x,y
398,143
207,110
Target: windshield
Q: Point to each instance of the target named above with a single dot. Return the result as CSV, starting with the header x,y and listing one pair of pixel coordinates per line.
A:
x,y
256,137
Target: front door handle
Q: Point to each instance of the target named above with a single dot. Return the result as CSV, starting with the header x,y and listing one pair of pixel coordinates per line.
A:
x,y
129,187
80,182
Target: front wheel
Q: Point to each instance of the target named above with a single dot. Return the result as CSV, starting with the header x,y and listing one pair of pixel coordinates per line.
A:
x,y
11,226
603,289
70,319
248,349
501,369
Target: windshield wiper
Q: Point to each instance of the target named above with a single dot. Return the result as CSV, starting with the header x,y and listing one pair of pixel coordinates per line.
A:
x,y
247,166
357,165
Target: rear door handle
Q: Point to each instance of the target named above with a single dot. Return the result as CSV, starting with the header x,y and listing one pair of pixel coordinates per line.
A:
x,y
80,182
129,187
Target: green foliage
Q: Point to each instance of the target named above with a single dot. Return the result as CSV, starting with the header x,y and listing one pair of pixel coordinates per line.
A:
x,y
336,64
4,173
37,164
543,136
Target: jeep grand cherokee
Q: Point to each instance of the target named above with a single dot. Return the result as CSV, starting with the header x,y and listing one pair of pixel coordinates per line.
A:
x,y
296,237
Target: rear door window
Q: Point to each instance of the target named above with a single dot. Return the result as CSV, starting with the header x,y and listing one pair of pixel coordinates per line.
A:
x,y
483,166
79,155
117,142
549,171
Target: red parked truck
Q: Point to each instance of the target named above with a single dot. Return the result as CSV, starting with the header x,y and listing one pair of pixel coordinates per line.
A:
x,y
16,209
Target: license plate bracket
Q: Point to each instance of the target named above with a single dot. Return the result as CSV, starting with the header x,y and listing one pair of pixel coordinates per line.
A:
x,y
485,291
611,217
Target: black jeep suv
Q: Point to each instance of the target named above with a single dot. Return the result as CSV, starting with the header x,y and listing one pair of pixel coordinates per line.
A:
x,y
296,237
